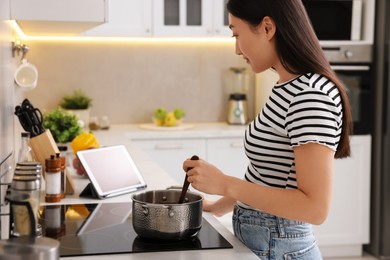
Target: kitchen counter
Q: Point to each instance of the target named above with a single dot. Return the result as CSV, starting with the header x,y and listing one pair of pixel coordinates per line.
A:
x,y
156,178
198,130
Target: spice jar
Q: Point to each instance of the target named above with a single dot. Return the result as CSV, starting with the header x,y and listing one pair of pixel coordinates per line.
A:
x,y
53,179
24,198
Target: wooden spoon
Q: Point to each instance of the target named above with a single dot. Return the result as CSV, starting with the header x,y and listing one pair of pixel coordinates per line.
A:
x,y
186,183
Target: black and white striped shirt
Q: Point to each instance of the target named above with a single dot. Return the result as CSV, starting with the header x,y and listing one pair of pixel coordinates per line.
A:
x,y
304,110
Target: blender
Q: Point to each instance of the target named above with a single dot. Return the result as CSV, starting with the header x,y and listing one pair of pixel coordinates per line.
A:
x,y
238,107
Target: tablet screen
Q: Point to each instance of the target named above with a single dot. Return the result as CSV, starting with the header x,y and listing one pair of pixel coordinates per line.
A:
x,y
111,170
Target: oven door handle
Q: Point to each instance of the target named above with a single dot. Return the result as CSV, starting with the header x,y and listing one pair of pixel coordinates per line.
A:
x,y
350,67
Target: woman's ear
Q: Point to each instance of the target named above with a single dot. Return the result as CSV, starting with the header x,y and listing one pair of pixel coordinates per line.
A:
x,y
269,27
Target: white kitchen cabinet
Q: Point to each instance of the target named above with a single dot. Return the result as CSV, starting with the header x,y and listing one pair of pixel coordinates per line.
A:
x,y
228,155
170,154
190,18
347,227
57,17
126,18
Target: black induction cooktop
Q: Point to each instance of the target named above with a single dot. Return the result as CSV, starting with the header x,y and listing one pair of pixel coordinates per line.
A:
x,y
106,228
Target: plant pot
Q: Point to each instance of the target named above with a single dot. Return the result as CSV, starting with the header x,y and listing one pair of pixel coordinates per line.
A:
x,y
83,115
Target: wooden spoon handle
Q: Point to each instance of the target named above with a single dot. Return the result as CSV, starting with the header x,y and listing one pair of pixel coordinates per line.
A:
x,y
186,183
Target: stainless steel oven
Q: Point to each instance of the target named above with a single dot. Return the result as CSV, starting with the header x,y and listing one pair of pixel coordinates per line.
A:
x,y
358,82
353,65
336,20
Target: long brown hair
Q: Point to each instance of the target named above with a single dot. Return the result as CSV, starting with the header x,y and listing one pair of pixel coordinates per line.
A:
x,y
297,46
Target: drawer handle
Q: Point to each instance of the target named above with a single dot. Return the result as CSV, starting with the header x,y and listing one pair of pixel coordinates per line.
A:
x,y
168,146
237,145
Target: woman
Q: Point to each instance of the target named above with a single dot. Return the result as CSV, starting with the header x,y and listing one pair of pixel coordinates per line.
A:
x,y
291,144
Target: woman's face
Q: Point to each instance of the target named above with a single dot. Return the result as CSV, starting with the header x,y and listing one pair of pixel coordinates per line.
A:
x,y
256,45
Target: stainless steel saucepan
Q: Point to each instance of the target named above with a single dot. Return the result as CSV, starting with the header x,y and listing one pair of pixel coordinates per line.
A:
x,y
158,215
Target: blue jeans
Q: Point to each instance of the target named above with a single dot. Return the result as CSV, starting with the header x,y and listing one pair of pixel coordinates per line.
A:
x,y
274,238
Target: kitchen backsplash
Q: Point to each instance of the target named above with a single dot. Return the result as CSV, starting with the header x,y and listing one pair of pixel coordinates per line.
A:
x,y
128,80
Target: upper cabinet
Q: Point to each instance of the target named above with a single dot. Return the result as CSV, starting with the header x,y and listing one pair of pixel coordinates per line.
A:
x,y
126,18
190,18
57,17
121,18
220,21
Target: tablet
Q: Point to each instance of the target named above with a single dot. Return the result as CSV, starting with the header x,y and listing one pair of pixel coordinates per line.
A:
x,y
111,170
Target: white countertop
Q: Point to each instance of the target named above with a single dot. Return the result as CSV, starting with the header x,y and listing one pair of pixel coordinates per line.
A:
x,y
156,179
198,130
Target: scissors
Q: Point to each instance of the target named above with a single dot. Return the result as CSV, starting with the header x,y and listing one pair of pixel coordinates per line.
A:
x,y
30,118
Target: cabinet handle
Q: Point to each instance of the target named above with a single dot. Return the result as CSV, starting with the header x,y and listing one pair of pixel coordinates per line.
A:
x,y
237,145
168,146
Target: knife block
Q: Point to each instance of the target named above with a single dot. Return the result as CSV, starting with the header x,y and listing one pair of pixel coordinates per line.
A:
x,y
43,147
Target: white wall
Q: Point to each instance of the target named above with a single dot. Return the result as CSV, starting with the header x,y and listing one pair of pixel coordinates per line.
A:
x,y
6,81
128,80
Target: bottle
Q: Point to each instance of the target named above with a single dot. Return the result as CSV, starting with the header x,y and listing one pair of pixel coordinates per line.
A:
x,y
105,123
25,152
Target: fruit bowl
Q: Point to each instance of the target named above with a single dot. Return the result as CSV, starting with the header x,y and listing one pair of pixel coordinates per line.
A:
x,y
161,117
163,124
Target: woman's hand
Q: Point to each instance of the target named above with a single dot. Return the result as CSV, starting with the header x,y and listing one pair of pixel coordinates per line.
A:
x,y
207,205
205,177
218,207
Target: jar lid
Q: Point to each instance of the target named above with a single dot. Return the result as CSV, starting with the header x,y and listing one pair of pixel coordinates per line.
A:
x,y
53,164
28,167
23,167
26,183
29,164
33,173
237,96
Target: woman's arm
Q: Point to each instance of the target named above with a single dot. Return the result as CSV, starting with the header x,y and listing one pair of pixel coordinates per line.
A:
x,y
219,207
310,202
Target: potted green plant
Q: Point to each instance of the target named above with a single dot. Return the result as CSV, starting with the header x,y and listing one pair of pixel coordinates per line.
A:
x,y
78,103
63,126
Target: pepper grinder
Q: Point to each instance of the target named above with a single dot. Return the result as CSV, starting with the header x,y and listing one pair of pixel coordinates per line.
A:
x,y
53,179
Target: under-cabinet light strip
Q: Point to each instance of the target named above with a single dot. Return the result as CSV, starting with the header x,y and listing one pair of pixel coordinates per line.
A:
x,y
23,36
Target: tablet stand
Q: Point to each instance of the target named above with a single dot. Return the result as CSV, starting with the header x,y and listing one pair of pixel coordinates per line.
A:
x,y
89,192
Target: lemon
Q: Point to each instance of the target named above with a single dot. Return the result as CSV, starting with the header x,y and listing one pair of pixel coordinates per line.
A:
x,y
170,119
159,122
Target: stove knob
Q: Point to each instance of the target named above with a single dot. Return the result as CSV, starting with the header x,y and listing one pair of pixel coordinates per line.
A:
x,y
348,54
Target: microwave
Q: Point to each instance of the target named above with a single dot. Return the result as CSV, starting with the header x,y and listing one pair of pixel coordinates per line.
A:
x,y
336,20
